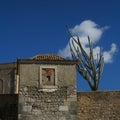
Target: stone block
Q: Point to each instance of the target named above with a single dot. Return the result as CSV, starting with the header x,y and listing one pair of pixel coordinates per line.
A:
x,y
27,108
62,118
36,112
63,108
73,105
21,99
73,117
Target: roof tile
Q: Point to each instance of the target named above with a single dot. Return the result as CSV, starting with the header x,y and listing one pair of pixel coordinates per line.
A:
x,y
47,57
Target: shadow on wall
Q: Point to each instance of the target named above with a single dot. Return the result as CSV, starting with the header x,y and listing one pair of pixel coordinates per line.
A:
x,y
8,107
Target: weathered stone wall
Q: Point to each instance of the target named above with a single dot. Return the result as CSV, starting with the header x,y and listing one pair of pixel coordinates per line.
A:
x,y
9,107
100,105
7,76
66,75
37,105
30,74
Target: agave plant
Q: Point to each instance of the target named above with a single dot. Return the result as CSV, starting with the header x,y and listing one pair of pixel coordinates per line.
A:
x,y
88,67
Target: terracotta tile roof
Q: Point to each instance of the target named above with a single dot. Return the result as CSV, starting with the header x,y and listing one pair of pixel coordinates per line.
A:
x,y
47,57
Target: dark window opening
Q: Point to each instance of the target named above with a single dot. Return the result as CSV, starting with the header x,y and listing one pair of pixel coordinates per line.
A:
x,y
48,78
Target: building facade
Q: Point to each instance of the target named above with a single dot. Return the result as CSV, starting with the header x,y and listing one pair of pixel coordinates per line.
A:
x,y
46,85
44,88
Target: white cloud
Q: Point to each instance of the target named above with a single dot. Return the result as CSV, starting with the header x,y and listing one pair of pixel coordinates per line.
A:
x,y
86,28
91,29
65,52
108,55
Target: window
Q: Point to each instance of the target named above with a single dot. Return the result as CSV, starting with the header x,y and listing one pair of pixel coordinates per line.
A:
x,y
48,76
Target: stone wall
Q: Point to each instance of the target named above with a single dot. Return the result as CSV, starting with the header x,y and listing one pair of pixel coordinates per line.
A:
x,y
8,107
38,105
30,74
56,102
100,105
7,78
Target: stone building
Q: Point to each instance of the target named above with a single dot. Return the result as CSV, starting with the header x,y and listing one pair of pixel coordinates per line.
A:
x,y
45,84
44,88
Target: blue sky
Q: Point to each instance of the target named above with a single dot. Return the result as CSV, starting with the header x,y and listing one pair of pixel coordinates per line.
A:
x,y
30,27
